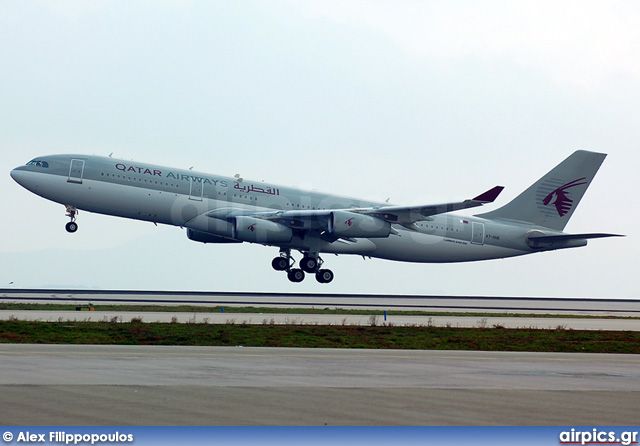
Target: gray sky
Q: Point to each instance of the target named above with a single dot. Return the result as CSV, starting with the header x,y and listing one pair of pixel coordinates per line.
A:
x,y
423,102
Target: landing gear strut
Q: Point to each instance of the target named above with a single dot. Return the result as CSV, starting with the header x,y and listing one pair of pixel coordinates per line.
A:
x,y
310,263
72,226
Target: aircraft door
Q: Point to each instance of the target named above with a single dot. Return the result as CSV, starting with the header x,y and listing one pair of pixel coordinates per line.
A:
x,y
75,171
477,233
195,190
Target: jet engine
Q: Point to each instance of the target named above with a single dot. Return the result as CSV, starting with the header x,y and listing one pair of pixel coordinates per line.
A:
x,y
349,224
256,230
203,237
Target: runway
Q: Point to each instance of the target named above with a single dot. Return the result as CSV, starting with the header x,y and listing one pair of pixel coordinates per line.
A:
x,y
486,304
605,314
506,321
136,385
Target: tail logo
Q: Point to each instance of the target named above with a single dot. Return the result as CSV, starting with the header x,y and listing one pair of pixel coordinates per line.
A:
x,y
560,199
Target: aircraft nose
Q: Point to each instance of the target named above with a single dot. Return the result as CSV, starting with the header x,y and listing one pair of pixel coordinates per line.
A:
x,y
18,175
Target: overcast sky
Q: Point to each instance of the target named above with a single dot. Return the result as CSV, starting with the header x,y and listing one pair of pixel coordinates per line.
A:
x,y
422,102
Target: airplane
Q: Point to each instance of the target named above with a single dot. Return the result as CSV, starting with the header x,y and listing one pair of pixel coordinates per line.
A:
x,y
218,209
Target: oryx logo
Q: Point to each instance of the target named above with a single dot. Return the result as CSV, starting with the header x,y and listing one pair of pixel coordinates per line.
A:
x,y
560,199
252,227
349,222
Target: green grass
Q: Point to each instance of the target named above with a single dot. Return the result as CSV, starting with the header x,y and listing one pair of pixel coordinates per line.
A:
x,y
320,336
328,336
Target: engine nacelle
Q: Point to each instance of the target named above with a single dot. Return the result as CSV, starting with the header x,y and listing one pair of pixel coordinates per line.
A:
x,y
349,224
255,230
203,237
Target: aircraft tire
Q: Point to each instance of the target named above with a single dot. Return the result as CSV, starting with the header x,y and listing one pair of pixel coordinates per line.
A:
x,y
296,275
309,265
71,227
280,263
324,276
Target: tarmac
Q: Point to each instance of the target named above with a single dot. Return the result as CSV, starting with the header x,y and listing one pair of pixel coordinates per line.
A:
x,y
505,321
178,385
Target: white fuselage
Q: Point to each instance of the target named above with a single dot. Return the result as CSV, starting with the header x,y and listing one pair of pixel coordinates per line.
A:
x,y
187,199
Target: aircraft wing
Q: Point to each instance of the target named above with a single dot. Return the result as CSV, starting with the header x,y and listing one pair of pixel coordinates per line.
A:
x,y
407,215
317,219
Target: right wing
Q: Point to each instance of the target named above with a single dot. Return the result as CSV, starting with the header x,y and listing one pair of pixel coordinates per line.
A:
x,y
332,224
408,215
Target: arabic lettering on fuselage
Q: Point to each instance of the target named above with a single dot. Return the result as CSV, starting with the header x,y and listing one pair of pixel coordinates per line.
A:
x,y
253,188
176,176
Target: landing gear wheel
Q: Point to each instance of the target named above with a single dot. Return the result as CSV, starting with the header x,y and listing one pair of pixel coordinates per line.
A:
x,y
309,264
324,276
72,226
296,275
280,263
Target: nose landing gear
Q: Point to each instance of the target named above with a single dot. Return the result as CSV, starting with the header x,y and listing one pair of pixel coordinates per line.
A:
x,y
310,264
72,226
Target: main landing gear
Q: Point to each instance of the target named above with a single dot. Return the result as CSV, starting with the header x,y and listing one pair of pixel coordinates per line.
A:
x,y
72,226
309,264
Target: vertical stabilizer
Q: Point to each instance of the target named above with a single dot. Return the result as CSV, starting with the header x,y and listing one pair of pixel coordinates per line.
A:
x,y
550,201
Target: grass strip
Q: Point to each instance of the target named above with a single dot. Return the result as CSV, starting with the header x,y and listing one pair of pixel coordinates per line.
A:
x,y
320,336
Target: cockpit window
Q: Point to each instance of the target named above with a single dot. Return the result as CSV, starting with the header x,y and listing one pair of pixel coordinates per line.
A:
x,y
38,163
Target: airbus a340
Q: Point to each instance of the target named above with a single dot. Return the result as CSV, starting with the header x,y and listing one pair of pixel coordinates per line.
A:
x,y
216,209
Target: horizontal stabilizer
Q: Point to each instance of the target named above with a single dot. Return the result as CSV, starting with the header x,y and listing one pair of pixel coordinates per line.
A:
x,y
564,237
